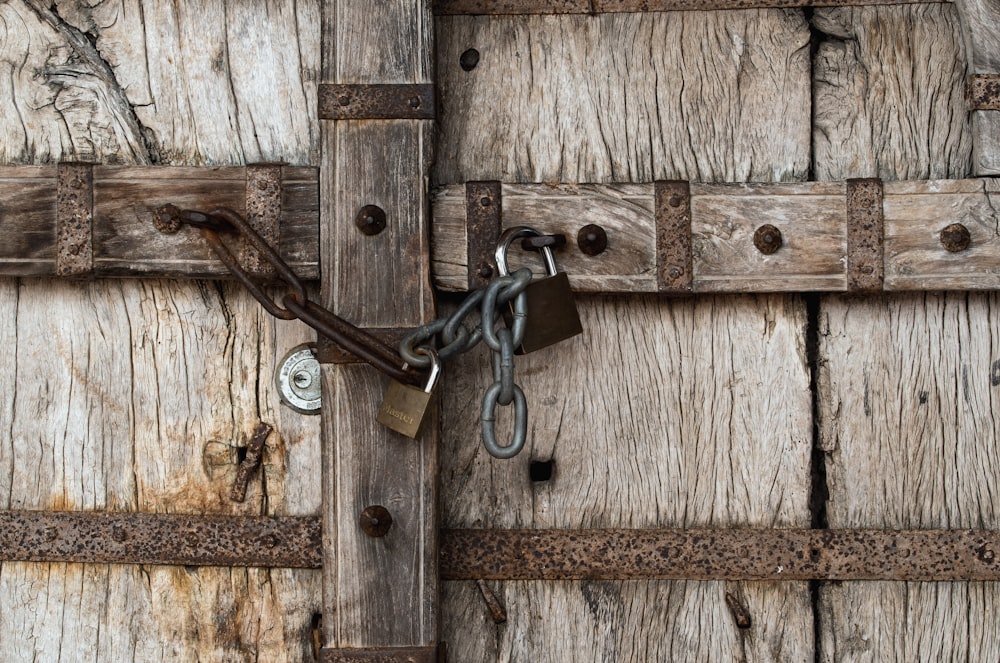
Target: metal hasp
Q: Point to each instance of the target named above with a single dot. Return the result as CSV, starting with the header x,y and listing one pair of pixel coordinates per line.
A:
x,y
376,102
147,538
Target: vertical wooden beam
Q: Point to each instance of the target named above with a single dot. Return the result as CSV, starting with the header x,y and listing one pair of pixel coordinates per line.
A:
x,y
380,594
981,29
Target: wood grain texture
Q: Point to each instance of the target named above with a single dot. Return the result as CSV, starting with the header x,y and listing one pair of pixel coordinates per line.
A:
x,y
980,19
905,382
564,99
684,412
377,592
134,396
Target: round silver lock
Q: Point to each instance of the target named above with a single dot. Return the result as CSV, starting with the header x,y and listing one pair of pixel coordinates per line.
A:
x,y
298,380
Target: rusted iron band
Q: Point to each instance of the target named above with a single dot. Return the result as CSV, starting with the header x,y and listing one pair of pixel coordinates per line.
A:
x,y
376,102
488,7
328,352
484,216
75,219
263,200
982,92
674,262
720,554
865,236
146,538
428,654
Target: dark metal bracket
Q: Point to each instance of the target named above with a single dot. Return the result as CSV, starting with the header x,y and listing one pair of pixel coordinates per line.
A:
x,y
376,102
674,260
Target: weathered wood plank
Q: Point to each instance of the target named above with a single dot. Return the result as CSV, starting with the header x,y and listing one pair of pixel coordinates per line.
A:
x,y
134,396
979,19
534,7
811,217
658,415
377,591
904,382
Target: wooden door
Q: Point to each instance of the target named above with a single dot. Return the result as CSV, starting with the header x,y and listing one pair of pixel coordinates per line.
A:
x,y
760,410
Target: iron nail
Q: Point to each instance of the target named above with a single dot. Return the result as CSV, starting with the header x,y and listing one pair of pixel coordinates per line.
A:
x,y
416,102
370,220
255,454
675,201
118,534
767,239
486,271
740,613
497,611
375,521
344,100
955,238
675,272
485,201
592,239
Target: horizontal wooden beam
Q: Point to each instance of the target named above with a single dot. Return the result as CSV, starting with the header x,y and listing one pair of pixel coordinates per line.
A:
x,y
495,7
472,554
811,219
98,221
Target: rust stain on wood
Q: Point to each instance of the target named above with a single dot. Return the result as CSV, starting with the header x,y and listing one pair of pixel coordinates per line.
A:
x,y
484,218
75,219
865,236
674,261
376,102
983,92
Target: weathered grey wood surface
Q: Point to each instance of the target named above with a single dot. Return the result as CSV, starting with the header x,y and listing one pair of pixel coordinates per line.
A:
x,y
906,383
663,413
133,396
980,19
377,591
811,217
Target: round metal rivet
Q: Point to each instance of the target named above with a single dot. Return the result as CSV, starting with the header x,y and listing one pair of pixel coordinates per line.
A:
x,y
767,239
955,238
592,240
118,534
485,202
344,100
675,201
416,102
469,59
297,379
370,220
375,521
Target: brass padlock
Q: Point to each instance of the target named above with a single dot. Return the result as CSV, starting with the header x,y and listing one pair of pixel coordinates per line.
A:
x,y
404,407
552,314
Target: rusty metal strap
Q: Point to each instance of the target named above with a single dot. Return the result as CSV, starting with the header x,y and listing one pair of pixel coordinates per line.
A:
x,y
865,236
75,219
484,220
720,554
982,92
674,259
488,7
376,102
427,654
145,538
471,554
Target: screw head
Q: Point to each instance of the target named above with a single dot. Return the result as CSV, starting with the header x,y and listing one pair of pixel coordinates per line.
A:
x,y
344,100
370,220
592,240
375,521
469,59
955,238
767,239
416,102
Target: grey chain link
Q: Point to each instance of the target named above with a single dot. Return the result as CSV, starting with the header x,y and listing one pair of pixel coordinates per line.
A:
x,y
457,338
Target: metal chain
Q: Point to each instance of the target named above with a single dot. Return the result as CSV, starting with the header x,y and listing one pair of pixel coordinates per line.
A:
x,y
457,338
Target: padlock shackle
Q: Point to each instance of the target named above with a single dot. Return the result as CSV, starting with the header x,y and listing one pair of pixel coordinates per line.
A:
x,y
516,232
435,372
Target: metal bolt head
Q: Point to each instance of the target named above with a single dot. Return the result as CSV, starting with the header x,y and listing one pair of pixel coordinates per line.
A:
x,y
486,271
375,521
955,238
592,240
416,102
297,379
344,100
370,220
767,239
469,59
675,201
118,534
